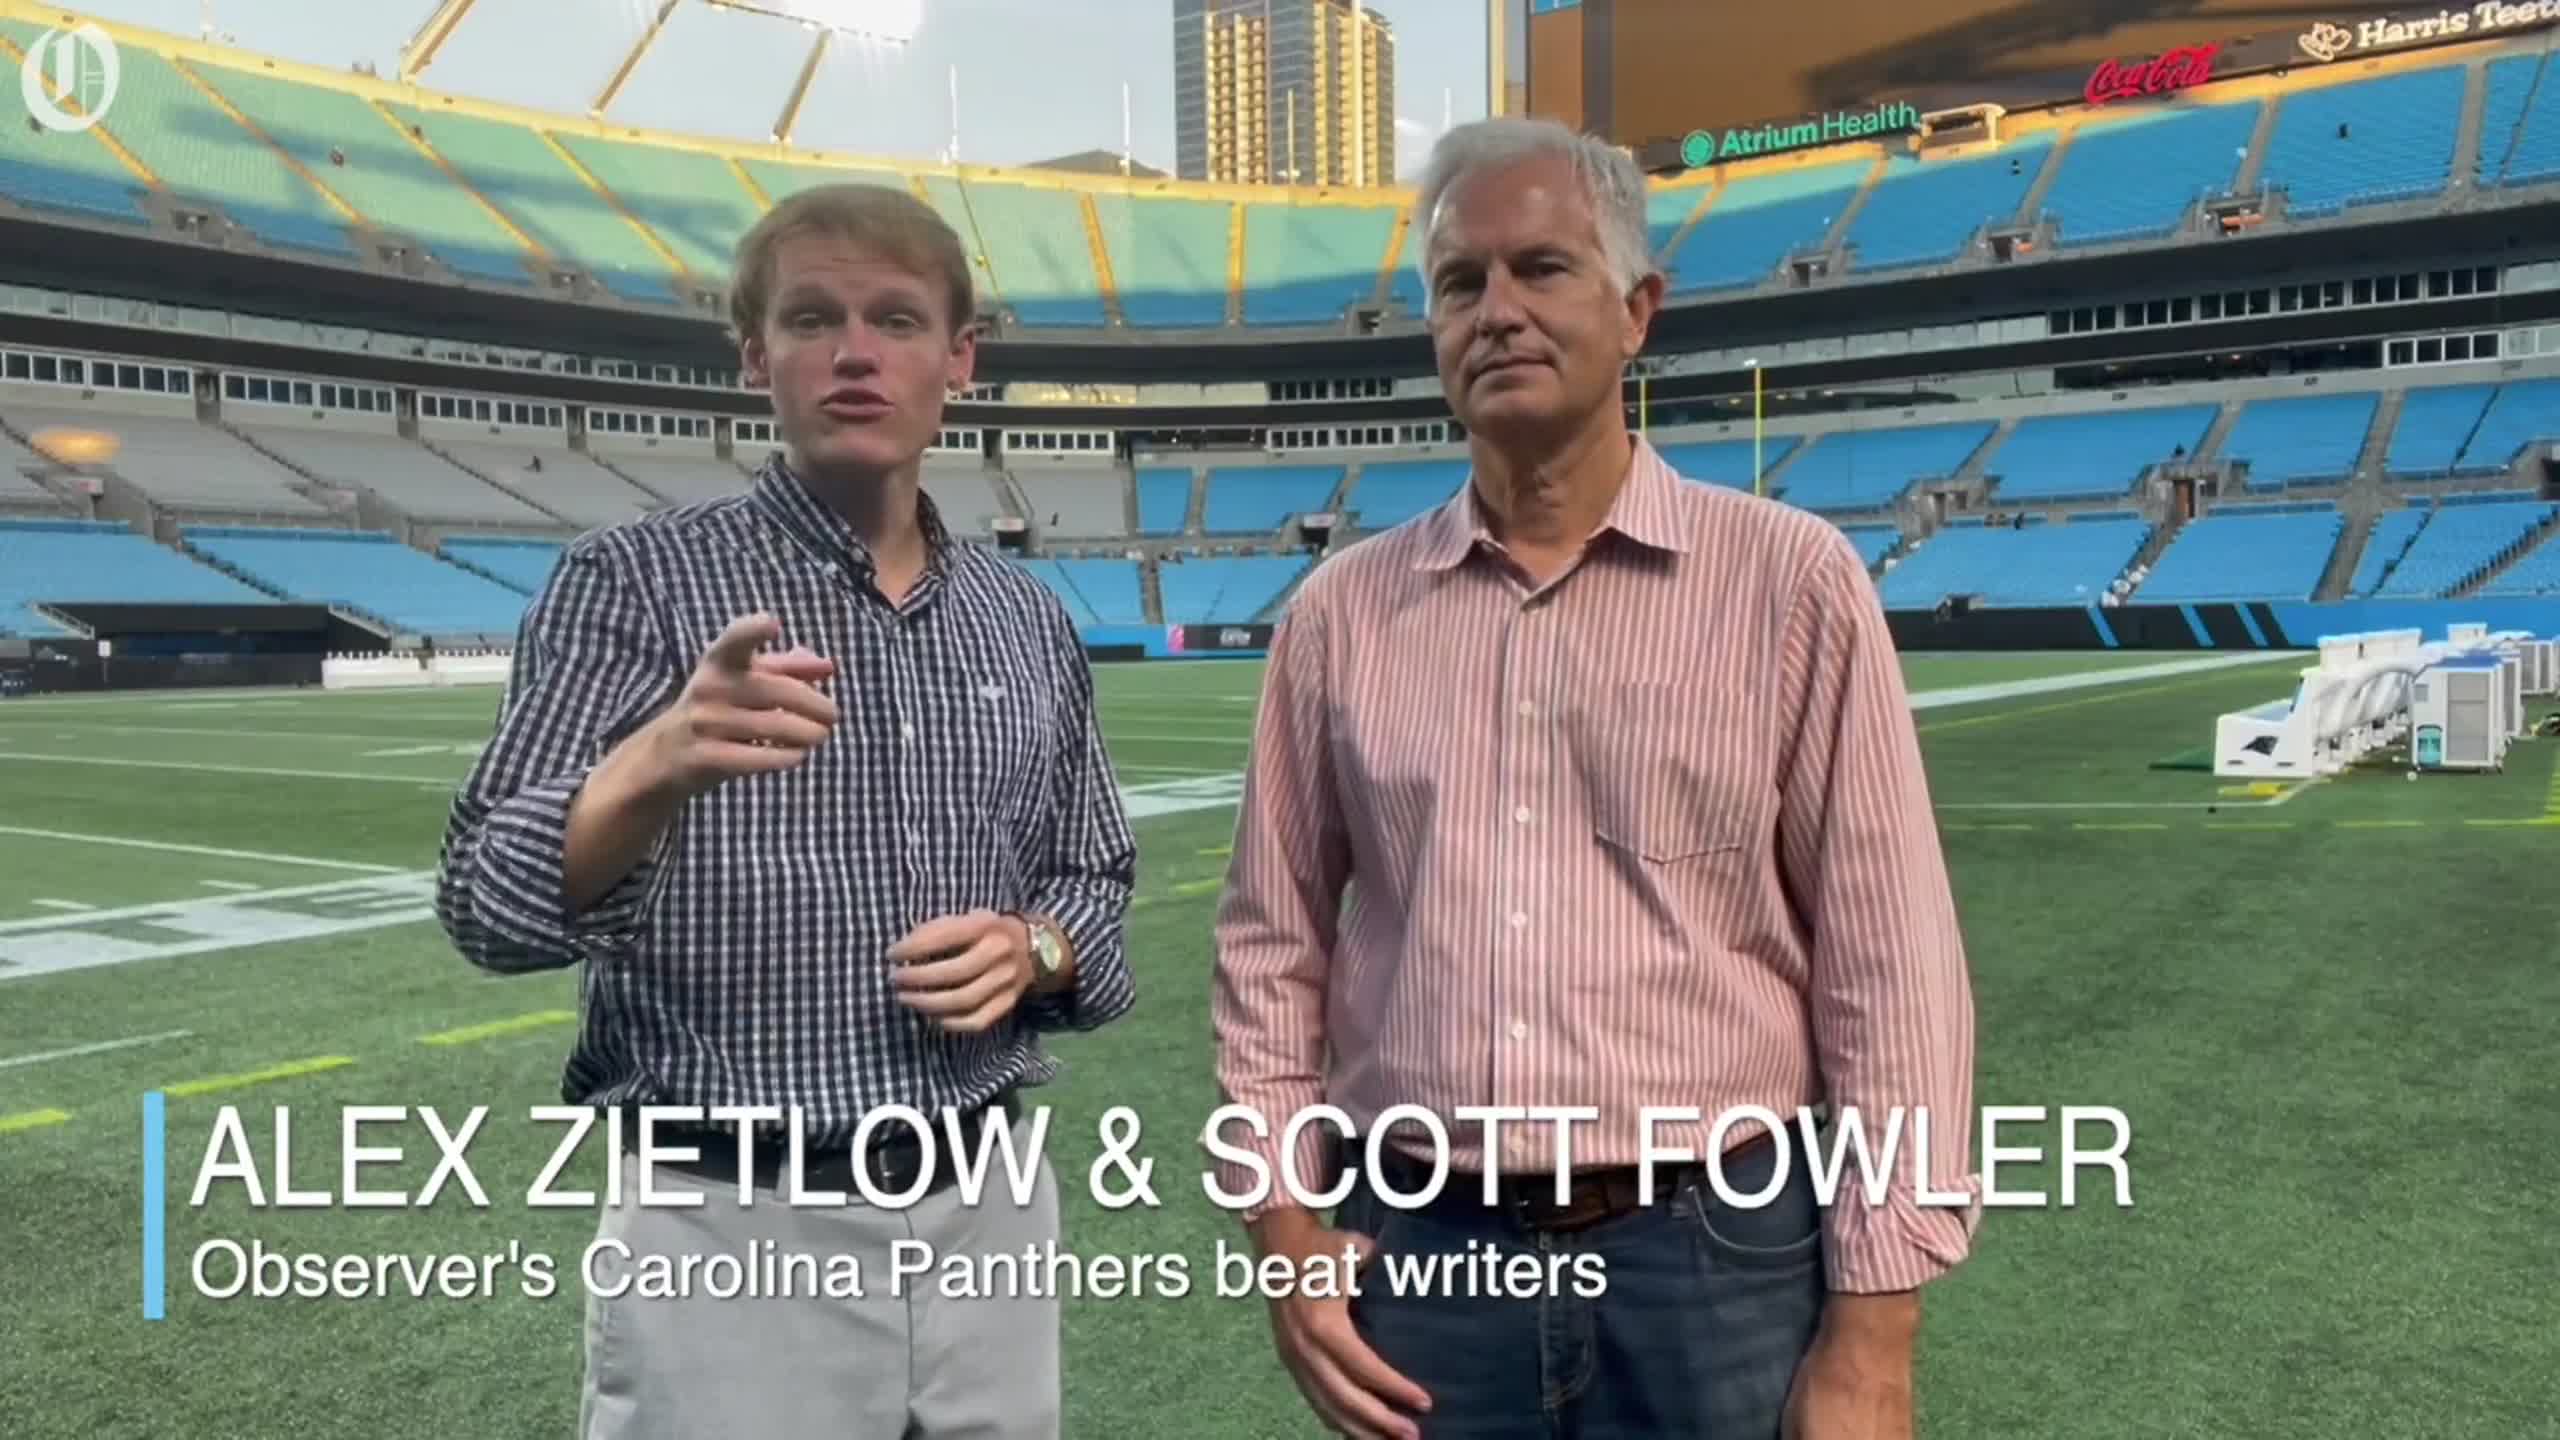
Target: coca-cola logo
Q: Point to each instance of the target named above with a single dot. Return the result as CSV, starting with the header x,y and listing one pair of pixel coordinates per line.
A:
x,y
1235,639
2180,69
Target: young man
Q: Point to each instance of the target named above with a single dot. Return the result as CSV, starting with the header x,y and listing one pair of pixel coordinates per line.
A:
x,y
814,792
1620,781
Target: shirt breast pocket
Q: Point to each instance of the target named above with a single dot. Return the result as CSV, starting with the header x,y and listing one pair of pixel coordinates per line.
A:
x,y
1665,772
1012,741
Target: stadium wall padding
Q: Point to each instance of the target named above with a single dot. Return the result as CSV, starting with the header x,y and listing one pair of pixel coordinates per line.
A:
x,y
2255,625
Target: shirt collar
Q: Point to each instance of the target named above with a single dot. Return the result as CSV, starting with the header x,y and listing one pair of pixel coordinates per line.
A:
x,y
788,501
1646,512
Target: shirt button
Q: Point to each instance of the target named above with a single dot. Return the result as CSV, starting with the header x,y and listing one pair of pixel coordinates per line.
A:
x,y
1521,814
1528,708
1519,1029
907,731
1519,918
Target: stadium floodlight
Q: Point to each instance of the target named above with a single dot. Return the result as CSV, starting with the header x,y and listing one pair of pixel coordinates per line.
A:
x,y
894,22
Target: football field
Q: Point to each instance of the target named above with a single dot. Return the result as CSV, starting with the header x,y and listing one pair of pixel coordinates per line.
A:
x,y
2325,1010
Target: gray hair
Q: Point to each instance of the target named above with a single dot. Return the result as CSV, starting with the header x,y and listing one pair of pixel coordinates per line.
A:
x,y
1608,174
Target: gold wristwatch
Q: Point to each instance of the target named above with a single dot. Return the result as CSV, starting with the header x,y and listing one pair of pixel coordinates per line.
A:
x,y
1048,949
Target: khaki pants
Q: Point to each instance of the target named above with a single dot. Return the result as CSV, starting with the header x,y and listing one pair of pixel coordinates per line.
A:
x,y
904,1360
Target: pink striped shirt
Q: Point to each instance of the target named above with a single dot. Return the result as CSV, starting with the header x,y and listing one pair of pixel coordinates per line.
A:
x,y
1654,834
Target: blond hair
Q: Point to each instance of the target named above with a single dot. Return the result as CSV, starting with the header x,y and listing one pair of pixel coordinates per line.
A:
x,y
883,219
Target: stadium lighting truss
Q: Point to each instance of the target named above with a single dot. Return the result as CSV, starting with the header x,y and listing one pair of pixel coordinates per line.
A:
x,y
891,21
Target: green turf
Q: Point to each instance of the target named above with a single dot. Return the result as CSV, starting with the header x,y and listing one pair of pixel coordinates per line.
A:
x,y
2323,1012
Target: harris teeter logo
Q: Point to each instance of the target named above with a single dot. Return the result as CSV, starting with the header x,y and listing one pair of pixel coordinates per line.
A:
x,y
1701,148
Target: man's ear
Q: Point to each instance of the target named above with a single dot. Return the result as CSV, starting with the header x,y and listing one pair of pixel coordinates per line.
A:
x,y
1643,303
964,358
754,364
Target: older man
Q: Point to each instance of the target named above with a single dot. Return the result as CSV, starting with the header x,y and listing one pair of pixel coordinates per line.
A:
x,y
1619,780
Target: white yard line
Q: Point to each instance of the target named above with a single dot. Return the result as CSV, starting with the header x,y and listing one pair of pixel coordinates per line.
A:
x,y
371,737
226,885
216,851
164,907
2090,679
100,1048
74,906
223,769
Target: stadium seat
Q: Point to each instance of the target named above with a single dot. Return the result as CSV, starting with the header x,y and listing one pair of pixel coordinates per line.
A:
x,y
2397,141
2436,423
513,167
2459,541
2094,456
2301,439
1075,502
1037,249
1923,212
2384,545
1870,469
1757,221
688,198
1727,462
2070,564
1308,264
368,572
2136,179
1256,499
74,561
1874,542
520,565
2536,573
1164,500
1168,258
1096,592
2520,414
1390,492
2240,554
2520,123
376,169
1226,589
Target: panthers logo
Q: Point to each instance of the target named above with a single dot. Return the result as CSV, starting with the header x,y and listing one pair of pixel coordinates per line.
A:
x,y
2325,42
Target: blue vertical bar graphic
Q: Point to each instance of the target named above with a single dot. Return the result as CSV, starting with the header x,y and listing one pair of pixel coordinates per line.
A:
x,y
155,1282
2195,626
2098,622
2249,623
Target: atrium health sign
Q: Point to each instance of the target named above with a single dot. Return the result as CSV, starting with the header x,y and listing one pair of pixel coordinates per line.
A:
x,y
84,72
2181,69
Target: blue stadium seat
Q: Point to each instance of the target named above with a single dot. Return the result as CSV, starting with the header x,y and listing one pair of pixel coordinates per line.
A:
x,y
2538,573
2235,554
2094,456
1923,212
1226,589
2398,143
1252,500
1096,591
2301,439
1390,492
365,571
1727,462
1168,258
2383,546
1869,469
2435,424
2460,541
2520,124
1759,220
2520,414
2039,565
1874,542
2135,179
1164,499
523,565
72,561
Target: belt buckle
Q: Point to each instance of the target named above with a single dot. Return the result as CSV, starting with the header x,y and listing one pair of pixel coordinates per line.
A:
x,y
1586,1203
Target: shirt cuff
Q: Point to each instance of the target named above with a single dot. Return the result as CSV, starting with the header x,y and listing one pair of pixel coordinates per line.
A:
x,y
1101,990
521,896
1901,1244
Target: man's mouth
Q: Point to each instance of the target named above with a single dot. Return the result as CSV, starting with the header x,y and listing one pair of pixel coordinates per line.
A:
x,y
855,404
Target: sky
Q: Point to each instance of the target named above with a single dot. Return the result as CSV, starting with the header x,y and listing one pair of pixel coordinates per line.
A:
x,y
1034,80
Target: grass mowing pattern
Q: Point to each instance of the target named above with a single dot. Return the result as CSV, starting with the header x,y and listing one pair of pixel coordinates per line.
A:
x,y
2325,1017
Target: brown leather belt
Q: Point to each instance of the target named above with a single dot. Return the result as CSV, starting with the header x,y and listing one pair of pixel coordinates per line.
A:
x,y
1591,1196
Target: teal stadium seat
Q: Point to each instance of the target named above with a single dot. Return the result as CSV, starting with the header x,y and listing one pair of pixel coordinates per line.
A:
x,y
1226,589
386,178
1168,259
2136,179
1309,264
1759,220
365,571
511,166
69,562
2099,455
2398,145
2241,554
1923,212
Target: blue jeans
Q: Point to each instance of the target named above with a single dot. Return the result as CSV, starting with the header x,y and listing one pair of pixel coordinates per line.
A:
x,y
1704,1311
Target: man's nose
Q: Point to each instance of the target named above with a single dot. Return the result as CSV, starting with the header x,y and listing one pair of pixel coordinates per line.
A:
x,y
1500,309
857,349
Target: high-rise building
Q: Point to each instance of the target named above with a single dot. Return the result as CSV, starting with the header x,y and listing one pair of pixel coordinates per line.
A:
x,y
1283,92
